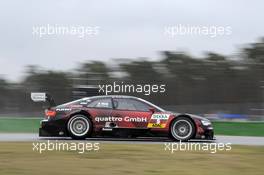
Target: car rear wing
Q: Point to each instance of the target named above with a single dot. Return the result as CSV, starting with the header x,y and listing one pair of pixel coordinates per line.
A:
x,y
42,97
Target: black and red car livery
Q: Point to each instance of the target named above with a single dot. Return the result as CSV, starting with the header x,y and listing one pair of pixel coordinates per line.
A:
x,y
121,116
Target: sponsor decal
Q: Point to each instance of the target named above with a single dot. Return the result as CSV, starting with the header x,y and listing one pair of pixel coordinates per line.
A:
x,y
156,125
160,116
63,109
155,121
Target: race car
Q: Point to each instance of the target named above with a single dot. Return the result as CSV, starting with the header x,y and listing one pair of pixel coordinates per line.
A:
x,y
119,116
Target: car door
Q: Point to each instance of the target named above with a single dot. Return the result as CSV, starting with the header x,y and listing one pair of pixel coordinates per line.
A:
x,y
131,113
100,110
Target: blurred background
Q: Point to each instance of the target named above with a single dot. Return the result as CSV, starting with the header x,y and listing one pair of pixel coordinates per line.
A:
x,y
220,77
214,85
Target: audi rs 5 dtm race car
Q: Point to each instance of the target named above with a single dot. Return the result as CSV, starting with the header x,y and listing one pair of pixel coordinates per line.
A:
x,y
118,116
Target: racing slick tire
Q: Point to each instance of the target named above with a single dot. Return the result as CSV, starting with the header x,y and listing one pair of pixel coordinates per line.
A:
x,y
79,127
182,129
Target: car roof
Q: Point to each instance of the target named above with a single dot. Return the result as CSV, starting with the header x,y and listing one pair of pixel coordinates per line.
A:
x,y
111,96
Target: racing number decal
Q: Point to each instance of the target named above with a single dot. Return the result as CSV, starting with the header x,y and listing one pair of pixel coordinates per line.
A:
x,y
158,120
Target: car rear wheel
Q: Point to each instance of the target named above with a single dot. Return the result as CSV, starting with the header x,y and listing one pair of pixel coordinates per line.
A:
x,y
182,129
79,127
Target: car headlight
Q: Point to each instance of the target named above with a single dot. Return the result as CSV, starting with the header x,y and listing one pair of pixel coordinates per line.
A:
x,y
206,122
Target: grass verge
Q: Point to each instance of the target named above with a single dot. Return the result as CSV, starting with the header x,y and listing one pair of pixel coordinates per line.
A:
x,y
18,158
239,128
13,125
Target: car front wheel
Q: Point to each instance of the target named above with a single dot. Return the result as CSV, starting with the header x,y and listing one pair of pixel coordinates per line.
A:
x,y
182,129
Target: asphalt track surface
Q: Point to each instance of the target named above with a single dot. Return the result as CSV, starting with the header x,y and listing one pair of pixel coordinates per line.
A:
x,y
236,140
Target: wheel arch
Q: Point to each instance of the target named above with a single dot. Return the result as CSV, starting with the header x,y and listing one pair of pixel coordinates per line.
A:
x,y
83,112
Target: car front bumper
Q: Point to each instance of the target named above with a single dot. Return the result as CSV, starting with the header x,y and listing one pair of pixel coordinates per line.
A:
x,y
209,133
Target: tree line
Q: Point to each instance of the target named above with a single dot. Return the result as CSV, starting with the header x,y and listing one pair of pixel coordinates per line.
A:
x,y
211,79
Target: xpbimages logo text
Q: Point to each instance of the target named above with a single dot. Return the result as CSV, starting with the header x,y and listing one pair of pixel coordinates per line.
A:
x,y
63,30
211,31
194,146
121,87
79,147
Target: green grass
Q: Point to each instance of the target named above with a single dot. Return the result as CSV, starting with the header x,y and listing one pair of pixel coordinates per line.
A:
x,y
119,159
12,125
239,128
31,125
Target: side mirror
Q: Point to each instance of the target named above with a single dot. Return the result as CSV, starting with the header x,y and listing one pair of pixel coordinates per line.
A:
x,y
152,110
